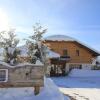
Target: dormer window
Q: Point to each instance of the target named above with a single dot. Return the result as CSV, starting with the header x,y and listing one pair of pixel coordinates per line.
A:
x,y
3,75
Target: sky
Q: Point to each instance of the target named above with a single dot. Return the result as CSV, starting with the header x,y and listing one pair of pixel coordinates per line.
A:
x,y
76,18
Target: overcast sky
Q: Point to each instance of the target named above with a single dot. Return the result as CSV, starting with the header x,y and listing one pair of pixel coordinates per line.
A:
x,y
76,18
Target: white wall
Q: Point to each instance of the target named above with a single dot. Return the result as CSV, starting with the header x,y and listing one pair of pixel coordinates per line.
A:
x,y
86,66
67,67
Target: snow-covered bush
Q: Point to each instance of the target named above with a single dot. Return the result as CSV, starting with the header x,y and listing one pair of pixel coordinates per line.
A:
x,y
9,42
34,43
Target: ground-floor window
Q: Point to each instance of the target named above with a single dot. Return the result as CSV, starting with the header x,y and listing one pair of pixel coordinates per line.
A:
x,y
3,75
75,66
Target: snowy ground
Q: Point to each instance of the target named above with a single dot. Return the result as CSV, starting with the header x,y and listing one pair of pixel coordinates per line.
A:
x,y
49,92
80,84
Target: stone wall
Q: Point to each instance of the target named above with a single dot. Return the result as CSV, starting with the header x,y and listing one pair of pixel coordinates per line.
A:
x,y
25,75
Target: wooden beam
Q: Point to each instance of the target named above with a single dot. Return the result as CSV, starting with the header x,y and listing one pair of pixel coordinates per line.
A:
x,y
36,90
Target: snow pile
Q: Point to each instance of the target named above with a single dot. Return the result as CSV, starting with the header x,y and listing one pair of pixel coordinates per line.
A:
x,y
84,73
1,58
51,91
48,92
38,62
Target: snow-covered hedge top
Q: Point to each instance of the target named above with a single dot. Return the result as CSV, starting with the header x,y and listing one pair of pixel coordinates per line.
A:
x,y
38,63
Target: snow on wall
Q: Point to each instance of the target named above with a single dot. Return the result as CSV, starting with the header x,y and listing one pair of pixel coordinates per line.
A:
x,y
84,73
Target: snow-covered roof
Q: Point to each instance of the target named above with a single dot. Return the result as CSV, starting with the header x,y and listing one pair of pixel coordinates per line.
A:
x,y
59,38
88,47
67,38
52,54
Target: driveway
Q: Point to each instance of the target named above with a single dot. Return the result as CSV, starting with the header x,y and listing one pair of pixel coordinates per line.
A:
x,y
79,88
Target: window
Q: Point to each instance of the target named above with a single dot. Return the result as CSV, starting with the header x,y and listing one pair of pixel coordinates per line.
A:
x,y
3,75
77,53
65,53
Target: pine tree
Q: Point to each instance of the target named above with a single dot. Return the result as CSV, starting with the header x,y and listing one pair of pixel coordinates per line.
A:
x,y
9,42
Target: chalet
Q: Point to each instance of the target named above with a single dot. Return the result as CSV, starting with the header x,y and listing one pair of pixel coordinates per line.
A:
x,y
73,54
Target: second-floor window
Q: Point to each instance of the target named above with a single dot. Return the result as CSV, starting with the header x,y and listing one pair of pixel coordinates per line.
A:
x,y
77,53
65,52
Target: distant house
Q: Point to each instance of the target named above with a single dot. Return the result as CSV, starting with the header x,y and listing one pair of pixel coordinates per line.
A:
x,y
73,54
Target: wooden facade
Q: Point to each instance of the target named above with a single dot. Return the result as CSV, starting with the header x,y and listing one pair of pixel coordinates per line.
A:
x,y
77,56
77,52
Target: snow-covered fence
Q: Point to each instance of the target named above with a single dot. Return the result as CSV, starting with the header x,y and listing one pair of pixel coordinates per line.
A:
x,y
22,75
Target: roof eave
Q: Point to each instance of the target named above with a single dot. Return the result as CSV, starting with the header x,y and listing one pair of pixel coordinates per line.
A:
x,y
95,53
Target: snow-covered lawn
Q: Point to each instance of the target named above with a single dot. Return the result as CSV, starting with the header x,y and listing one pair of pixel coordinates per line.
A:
x,y
80,84
49,92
